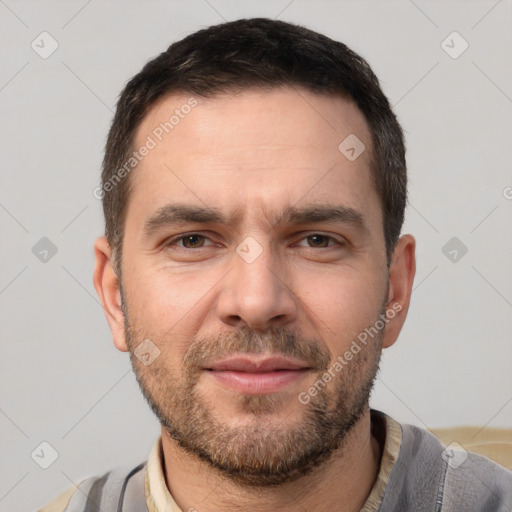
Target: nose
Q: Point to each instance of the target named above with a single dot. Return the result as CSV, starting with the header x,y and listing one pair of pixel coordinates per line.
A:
x,y
257,294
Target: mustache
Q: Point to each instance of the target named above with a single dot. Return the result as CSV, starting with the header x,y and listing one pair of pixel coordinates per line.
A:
x,y
275,341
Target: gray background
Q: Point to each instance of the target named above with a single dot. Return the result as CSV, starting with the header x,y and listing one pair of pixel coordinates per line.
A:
x,y
63,381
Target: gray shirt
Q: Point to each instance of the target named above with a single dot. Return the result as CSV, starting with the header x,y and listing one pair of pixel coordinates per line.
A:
x,y
417,474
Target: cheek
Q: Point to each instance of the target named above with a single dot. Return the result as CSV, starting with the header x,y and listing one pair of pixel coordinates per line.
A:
x,y
170,307
340,304
158,297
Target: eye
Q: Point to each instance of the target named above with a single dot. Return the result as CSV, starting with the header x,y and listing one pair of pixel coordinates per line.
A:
x,y
321,241
188,241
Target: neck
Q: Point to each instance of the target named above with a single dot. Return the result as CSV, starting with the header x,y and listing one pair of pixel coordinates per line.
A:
x,y
342,483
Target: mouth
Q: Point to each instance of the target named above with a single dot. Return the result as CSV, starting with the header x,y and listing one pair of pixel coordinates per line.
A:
x,y
257,375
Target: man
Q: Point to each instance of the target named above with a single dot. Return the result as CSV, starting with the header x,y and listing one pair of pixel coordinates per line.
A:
x,y
254,187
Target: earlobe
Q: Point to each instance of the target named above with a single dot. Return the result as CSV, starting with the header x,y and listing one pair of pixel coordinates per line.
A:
x,y
107,287
401,276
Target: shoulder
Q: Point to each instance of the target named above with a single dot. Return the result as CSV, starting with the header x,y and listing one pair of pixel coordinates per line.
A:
x,y
449,477
106,492
474,482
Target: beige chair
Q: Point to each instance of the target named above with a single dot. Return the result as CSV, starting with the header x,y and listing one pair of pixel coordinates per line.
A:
x,y
493,443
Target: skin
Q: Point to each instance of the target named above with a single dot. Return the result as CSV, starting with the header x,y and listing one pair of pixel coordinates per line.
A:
x,y
255,153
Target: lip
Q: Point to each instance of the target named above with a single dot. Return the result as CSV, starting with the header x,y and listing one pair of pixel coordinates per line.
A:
x,y
256,364
257,375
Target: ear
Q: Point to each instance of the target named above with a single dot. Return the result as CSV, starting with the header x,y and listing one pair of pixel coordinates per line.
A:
x,y
106,283
401,276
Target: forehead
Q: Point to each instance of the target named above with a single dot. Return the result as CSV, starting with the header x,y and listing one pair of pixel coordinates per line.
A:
x,y
253,149
254,117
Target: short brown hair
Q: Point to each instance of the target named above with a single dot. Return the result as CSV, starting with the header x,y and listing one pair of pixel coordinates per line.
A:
x,y
248,53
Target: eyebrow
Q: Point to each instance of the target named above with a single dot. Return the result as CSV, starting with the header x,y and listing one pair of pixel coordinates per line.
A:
x,y
179,213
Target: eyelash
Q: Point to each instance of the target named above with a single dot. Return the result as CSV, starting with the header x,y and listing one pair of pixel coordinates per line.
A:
x,y
173,241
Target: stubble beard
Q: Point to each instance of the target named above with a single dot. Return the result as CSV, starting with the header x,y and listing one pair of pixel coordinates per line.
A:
x,y
264,452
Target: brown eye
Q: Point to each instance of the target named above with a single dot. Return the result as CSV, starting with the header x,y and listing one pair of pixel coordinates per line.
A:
x,y
192,241
319,240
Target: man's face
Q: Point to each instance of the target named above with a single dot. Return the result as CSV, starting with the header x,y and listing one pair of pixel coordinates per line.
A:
x,y
268,285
